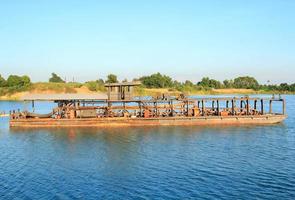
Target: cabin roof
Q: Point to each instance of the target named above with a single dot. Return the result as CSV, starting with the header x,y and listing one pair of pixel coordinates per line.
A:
x,y
60,97
123,84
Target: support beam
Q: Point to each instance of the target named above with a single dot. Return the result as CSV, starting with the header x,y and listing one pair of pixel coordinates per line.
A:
x,y
109,93
109,110
156,108
187,108
172,109
218,113
247,107
270,106
140,109
284,106
233,106
33,105
262,107
203,108
241,105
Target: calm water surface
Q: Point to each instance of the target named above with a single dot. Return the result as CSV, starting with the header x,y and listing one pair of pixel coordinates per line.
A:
x,y
247,162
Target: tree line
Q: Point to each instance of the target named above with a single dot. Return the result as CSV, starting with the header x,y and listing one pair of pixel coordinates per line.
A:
x,y
244,82
157,80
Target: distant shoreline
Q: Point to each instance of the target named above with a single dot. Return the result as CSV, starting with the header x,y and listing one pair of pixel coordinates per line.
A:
x,y
145,92
15,87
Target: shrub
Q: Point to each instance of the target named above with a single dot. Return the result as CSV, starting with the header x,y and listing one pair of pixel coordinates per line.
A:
x,y
55,79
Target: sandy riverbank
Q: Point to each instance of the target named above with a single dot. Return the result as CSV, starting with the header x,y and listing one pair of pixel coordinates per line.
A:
x,y
19,95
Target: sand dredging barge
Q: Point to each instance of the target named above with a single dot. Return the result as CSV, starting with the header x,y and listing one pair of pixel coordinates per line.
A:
x,y
120,108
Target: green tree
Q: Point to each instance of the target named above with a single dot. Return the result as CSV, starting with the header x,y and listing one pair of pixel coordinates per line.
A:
x,y
13,80
55,79
18,81
97,85
205,82
2,81
189,83
211,83
26,80
228,83
100,81
215,84
246,82
284,87
157,81
112,78
91,85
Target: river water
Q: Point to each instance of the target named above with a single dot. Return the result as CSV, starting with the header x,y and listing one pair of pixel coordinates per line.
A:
x,y
245,162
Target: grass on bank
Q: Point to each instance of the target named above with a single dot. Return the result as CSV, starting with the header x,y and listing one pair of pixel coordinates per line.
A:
x,y
56,87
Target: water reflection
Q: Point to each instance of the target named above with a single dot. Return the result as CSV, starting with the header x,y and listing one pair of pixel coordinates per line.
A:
x,y
123,145
74,133
153,162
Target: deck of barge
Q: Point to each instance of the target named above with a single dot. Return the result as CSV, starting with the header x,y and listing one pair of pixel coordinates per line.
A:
x,y
163,121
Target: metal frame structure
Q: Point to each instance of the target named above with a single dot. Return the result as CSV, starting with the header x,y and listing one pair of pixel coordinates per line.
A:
x,y
155,107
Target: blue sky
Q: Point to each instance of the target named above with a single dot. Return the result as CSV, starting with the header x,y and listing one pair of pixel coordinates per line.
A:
x,y
184,39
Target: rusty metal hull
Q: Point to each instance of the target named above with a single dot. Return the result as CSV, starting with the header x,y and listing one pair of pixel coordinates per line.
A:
x,y
160,121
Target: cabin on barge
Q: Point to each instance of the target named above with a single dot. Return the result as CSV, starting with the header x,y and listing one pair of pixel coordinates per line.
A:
x,y
120,108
